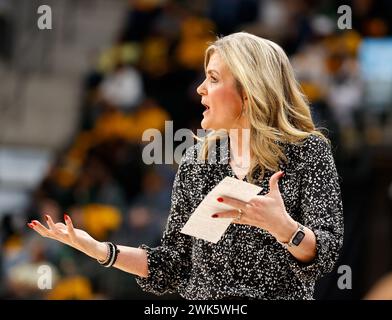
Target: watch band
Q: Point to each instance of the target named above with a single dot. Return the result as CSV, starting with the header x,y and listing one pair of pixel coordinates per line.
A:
x,y
296,238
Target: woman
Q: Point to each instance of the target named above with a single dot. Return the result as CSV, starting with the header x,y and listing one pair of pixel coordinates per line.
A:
x,y
282,240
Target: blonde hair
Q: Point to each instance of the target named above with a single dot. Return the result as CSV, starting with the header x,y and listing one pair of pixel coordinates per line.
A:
x,y
276,109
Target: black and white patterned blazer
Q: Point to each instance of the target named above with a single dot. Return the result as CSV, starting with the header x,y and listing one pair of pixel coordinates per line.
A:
x,y
248,262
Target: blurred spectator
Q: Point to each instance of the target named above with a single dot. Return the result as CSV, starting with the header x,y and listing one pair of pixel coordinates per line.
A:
x,y
229,14
21,264
99,220
123,88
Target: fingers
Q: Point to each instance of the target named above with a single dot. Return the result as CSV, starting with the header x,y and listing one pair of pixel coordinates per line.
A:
x,y
38,227
273,182
57,231
226,214
50,223
230,214
70,227
235,203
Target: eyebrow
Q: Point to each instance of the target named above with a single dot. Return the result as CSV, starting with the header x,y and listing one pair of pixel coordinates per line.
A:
x,y
212,71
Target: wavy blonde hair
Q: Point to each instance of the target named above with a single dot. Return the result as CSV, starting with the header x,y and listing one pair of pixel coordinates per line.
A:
x,y
276,108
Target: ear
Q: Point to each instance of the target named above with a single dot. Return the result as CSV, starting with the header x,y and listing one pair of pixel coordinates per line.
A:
x,y
242,93
244,102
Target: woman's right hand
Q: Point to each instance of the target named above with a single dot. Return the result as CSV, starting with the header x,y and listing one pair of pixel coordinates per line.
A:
x,y
67,234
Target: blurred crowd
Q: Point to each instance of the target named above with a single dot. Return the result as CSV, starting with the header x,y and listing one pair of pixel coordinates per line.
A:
x,y
150,75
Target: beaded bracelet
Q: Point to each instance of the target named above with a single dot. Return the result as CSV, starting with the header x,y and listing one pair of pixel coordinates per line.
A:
x,y
106,260
111,258
116,251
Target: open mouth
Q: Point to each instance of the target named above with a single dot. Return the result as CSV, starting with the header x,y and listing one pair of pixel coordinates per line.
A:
x,y
207,107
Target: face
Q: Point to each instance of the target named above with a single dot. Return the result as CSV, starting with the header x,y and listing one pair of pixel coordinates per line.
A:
x,y
220,97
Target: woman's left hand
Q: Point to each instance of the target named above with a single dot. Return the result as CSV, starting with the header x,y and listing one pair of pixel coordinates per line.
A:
x,y
267,212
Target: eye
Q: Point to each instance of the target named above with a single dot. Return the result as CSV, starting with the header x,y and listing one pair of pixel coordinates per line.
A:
x,y
213,79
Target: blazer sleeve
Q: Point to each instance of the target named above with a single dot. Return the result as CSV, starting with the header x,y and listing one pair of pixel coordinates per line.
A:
x,y
321,209
169,264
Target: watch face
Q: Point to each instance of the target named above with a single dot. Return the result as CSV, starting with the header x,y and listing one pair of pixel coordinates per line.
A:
x,y
298,238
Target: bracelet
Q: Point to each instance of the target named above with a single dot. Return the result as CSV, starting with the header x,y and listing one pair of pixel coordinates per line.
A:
x,y
112,255
105,261
116,251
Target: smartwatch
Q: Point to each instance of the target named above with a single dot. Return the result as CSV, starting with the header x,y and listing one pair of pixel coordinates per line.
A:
x,y
296,238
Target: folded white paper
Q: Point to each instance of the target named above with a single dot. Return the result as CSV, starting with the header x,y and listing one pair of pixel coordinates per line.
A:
x,y
200,223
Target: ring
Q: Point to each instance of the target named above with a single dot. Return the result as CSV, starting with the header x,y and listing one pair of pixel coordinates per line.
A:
x,y
240,213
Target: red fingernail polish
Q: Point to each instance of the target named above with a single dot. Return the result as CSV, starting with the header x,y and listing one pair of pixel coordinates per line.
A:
x,y
66,217
214,215
30,225
220,199
46,217
34,222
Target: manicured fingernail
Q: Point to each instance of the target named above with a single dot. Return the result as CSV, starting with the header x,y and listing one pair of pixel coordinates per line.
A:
x,y
214,215
34,222
220,199
66,217
30,225
46,217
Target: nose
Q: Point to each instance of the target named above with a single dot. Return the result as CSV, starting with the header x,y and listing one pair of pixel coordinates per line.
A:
x,y
201,89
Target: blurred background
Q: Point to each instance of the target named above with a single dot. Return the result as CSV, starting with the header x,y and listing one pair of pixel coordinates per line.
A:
x,y
75,100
